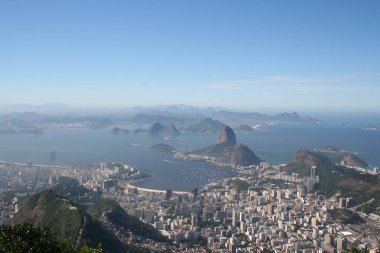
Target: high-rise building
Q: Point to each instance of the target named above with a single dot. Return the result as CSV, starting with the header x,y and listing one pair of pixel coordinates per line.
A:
x,y
195,194
341,244
270,209
329,239
342,203
194,219
234,218
313,171
348,202
169,194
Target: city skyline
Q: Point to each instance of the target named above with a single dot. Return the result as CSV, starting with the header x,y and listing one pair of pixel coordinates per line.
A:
x,y
256,56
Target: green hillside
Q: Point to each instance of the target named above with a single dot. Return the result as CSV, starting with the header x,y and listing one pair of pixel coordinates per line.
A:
x,y
68,220
121,218
334,178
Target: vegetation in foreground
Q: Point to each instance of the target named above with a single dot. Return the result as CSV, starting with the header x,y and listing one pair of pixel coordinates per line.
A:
x,y
27,237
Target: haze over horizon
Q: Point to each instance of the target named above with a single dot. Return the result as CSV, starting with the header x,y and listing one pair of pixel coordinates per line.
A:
x,y
250,56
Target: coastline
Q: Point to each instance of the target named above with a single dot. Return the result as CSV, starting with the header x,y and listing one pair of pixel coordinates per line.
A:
x,y
149,190
124,183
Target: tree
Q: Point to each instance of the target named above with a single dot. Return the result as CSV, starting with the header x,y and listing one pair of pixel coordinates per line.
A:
x,y
353,249
29,238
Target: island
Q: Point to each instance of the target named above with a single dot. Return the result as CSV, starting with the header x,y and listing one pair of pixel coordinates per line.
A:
x,y
117,130
163,149
372,128
328,149
157,129
243,129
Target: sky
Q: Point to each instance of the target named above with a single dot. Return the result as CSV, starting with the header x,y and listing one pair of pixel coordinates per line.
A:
x,y
245,54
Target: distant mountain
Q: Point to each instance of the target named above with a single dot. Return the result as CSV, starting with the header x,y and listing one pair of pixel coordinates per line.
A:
x,y
101,123
168,131
155,129
165,118
328,149
163,148
206,125
248,118
189,118
243,129
287,116
227,151
188,110
18,126
117,130
139,131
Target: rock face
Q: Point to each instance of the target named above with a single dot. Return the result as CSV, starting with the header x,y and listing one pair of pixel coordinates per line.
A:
x,y
227,135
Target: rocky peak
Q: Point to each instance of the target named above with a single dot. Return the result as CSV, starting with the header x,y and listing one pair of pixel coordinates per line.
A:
x,y
227,135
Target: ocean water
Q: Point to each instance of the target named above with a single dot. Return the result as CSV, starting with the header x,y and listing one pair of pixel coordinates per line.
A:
x,y
273,143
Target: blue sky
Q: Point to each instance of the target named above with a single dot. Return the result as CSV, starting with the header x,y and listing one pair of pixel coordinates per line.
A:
x,y
247,55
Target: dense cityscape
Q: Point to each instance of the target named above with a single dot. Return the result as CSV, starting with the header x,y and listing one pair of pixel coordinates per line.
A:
x,y
254,212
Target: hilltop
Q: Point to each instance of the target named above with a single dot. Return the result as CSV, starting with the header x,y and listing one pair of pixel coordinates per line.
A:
x,y
335,178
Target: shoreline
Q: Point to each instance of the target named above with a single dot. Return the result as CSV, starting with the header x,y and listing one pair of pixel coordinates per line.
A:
x,y
143,189
123,182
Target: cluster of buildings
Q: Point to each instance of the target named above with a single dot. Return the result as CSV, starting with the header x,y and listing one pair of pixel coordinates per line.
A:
x,y
280,217
266,212
309,182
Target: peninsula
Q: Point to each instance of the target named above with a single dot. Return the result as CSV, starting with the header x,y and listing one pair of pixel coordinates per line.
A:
x,y
227,152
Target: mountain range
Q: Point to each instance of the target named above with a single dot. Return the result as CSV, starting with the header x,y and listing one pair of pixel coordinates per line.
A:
x,y
183,117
